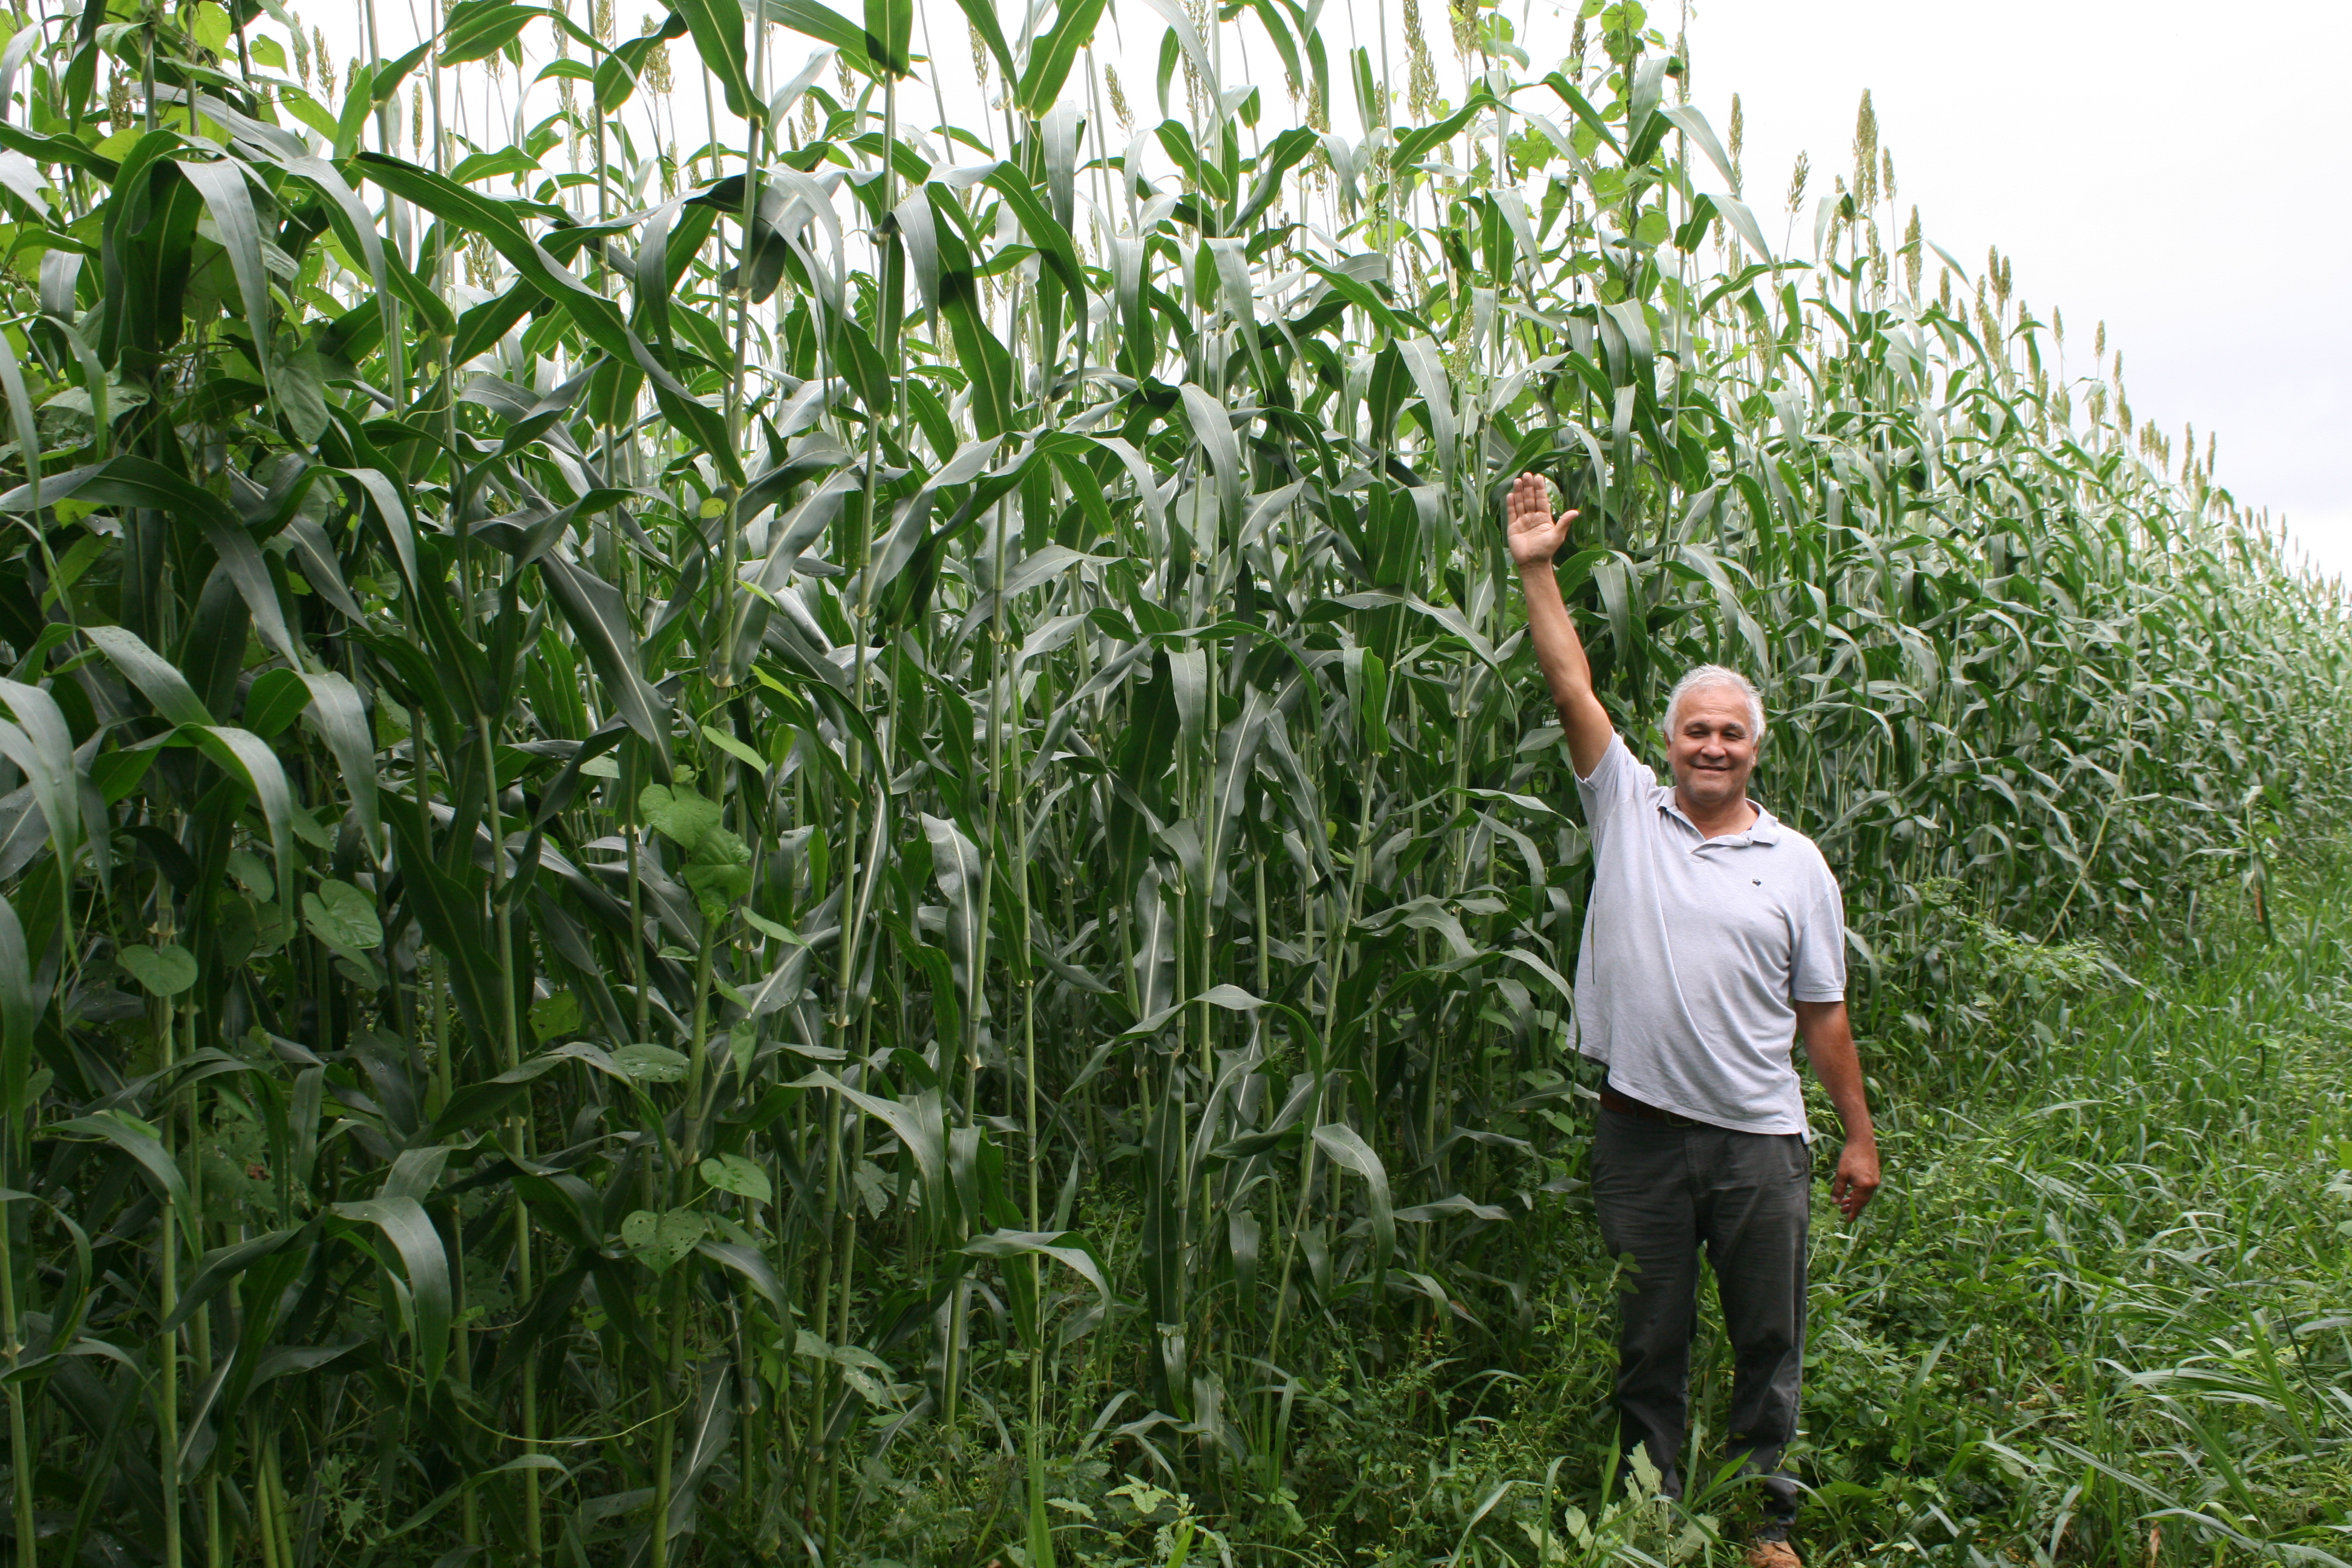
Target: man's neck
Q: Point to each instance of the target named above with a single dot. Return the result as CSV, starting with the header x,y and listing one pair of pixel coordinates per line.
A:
x,y
1731,816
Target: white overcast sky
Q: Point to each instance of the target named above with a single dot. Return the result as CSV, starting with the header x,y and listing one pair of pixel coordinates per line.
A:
x,y
2177,169
2174,169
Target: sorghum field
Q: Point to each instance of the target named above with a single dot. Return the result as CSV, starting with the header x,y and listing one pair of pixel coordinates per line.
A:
x,y
740,827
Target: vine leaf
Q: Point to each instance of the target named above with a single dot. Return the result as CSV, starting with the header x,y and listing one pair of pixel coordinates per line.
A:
x,y
734,1173
341,916
164,971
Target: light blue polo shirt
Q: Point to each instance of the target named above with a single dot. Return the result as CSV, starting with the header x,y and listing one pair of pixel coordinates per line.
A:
x,y
1696,950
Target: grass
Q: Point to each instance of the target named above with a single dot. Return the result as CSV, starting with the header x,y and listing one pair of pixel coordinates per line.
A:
x,y
2098,1316
2109,1295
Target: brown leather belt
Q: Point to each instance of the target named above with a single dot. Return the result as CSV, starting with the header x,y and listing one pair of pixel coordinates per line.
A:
x,y
1612,1100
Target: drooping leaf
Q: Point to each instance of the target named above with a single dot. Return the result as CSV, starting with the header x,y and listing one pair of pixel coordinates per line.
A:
x,y
1348,1150
1054,51
718,29
141,1142
335,709
426,1262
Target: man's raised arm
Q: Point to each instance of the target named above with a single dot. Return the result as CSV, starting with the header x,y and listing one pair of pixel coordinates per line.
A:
x,y
1535,538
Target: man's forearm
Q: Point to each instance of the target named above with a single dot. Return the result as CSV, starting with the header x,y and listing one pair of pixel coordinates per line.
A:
x,y
1560,652
1829,1045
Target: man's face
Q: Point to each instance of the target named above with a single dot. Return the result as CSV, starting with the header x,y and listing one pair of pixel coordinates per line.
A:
x,y
1712,747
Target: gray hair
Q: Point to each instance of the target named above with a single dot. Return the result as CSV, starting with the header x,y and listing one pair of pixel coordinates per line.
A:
x,y
1715,678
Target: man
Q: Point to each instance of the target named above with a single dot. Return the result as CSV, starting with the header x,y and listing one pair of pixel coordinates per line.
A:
x,y
1714,936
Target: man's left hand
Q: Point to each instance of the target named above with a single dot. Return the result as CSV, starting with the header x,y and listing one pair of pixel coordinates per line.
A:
x,y
1857,1182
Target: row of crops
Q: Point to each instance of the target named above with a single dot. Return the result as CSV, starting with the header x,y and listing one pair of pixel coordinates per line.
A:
x,y
687,824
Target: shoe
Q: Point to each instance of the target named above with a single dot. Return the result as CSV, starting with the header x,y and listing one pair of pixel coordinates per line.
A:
x,y
1773,1553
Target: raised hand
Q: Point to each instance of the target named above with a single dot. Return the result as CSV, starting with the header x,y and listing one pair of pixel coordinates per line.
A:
x,y
1535,537
1534,534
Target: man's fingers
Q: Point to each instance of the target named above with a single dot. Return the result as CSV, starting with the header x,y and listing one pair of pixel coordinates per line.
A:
x,y
1527,497
1852,1187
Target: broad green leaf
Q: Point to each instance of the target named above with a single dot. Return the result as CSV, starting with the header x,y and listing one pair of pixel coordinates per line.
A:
x,y
1044,231
141,482
734,1173
22,420
341,916
477,29
720,872
164,971
598,316
141,1142
735,748
220,1268
680,815
310,113
1348,1150
1052,53
985,361
335,710
599,619
552,1017
817,21
299,381
890,33
753,1268
41,745
276,699
426,1263
245,756
650,1063
1056,1244
222,186
661,1240
159,681
476,1104
19,1014
718,29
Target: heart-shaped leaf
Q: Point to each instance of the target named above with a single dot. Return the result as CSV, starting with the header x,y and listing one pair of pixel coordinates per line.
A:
x,y
734,1173
552,1017
680,814
720,871
660,1240
164,971
341,916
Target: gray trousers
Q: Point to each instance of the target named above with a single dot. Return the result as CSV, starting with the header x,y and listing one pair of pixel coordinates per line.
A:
x,y
1662,1192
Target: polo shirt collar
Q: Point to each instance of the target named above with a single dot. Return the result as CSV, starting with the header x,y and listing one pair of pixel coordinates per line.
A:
x,y
1765,830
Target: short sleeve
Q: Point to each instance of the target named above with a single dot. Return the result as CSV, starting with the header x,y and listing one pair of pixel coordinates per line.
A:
x,y
1816,963
1617,780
